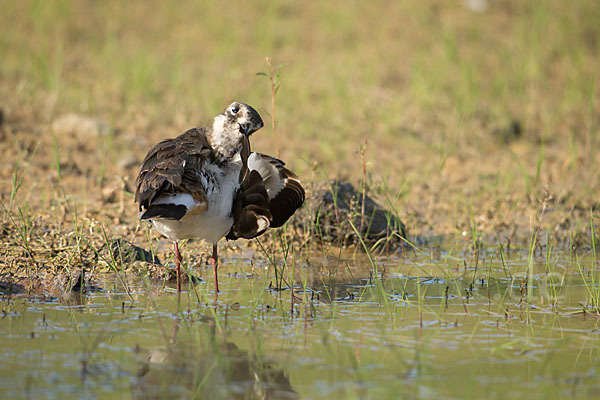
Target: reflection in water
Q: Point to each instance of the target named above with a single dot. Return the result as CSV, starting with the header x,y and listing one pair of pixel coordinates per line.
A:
x,y
209,368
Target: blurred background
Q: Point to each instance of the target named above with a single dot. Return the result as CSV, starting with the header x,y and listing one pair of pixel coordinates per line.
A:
x,y
464,104
476,122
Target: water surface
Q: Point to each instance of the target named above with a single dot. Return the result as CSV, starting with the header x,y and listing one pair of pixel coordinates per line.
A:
x,y
426,325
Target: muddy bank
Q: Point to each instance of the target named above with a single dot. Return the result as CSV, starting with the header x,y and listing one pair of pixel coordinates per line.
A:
x,y
64,285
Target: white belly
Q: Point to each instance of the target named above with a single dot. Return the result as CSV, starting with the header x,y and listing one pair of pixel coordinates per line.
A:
x,y
206,226
211,224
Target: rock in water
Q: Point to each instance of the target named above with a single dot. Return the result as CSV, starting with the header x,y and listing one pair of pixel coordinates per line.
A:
x,y
125,253
341,204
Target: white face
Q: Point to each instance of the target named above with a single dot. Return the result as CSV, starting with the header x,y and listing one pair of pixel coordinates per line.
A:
x,y
244,116
238,120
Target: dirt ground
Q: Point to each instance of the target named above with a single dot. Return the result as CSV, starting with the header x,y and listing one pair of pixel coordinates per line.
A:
x,y
477,128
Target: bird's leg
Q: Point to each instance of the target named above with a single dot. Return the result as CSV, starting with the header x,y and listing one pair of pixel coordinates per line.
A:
x,y
214,262
177,264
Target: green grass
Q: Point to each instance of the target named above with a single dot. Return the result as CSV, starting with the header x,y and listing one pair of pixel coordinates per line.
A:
x,y
480,130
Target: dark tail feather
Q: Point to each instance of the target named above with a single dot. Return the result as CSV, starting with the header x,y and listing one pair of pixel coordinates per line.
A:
x,y
285,204
246,226
250,205
165,211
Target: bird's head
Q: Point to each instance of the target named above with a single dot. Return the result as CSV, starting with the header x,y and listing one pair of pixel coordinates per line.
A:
x,y
244,117
232,127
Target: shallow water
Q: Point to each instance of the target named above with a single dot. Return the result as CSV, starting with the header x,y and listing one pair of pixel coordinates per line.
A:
x,y
427,325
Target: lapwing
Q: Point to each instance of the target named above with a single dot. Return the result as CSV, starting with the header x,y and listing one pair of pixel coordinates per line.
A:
x,y
206,184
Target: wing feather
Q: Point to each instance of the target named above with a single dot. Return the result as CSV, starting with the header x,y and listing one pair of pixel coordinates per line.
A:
x,y
283,187
171,166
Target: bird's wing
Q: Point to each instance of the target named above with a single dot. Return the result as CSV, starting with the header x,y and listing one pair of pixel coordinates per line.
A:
x,y
251,209
283,187
171,167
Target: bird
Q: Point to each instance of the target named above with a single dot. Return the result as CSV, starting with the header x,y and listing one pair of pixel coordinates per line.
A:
x,y
207,184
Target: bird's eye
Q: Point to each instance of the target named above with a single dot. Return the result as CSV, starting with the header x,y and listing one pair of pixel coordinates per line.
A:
x,y
235,110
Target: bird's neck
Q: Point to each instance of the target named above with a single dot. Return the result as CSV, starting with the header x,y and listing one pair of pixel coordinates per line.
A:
x,y
225,139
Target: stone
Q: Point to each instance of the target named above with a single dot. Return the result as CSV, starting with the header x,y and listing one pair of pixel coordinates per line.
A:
x,y
339,206
82,127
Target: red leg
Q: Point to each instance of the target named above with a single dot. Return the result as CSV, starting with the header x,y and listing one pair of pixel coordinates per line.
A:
x,y
214,260
177,262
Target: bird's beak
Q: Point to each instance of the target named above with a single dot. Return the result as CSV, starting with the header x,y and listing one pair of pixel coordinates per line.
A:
x,y
244,128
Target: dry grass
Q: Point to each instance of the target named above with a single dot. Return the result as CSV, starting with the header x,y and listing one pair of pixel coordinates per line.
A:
x,y
480,124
